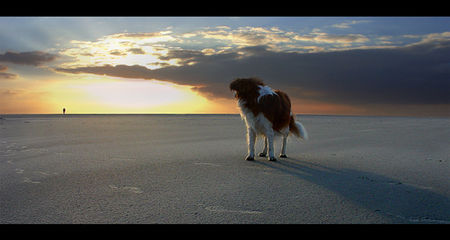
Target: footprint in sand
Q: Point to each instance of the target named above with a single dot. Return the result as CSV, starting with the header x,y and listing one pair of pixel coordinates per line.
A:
x,y
208,164
220,209
135,190
46,173
27,180
123,159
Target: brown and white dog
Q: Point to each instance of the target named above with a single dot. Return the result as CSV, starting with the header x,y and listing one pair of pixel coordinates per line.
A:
x,y
266,112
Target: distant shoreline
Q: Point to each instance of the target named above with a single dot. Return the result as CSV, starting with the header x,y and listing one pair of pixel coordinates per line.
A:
x,y
3,116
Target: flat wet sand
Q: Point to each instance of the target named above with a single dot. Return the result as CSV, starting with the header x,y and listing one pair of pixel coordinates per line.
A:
x,y
191,169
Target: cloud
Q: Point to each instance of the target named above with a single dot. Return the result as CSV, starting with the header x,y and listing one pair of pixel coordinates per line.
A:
x,y
348,38
414,74
153,47
249,36
320,37
4,74
124,71
346,25
117,49
136,51
278,39
117,53
34,58
155,36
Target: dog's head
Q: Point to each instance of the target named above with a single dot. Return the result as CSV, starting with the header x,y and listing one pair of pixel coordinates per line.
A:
x,y
244,87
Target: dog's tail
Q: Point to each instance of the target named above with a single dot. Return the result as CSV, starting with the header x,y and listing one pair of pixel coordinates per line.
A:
x,y
297,129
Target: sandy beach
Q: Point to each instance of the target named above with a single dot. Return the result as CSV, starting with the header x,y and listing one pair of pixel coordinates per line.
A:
x,y
191,169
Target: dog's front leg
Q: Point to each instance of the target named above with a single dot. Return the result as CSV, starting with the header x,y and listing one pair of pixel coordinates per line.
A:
x,y
251,139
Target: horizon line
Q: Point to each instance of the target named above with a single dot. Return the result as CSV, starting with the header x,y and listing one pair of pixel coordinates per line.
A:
x,y
302,114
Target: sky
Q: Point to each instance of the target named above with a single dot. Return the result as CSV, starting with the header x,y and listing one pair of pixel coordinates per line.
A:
x,y
396,66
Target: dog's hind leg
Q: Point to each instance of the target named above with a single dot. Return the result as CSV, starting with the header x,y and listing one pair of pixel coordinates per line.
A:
x,y
270,137
264,151
251,138
283,148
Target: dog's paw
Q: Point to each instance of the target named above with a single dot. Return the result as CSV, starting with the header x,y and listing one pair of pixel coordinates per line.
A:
x,y
250,158
283,156
263,154
272,159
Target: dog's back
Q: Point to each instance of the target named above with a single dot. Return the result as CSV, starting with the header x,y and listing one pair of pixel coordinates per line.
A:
x,y
277,109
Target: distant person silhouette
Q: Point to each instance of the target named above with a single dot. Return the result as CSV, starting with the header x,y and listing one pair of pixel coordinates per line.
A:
x,y
64,110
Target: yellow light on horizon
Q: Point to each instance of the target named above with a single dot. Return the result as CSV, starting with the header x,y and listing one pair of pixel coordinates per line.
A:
x,y
135,94
100,94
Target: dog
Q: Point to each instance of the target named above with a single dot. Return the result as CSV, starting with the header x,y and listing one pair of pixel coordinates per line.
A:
x,y
266,112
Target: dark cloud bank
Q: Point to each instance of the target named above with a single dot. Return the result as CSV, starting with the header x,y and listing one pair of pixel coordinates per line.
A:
x,y
34,58
415,74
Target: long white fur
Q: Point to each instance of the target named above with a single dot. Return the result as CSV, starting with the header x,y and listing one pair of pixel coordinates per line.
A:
x,y
303,132
260,125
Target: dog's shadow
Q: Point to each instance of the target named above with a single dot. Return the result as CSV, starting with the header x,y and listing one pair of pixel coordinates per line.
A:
x,y
402,202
